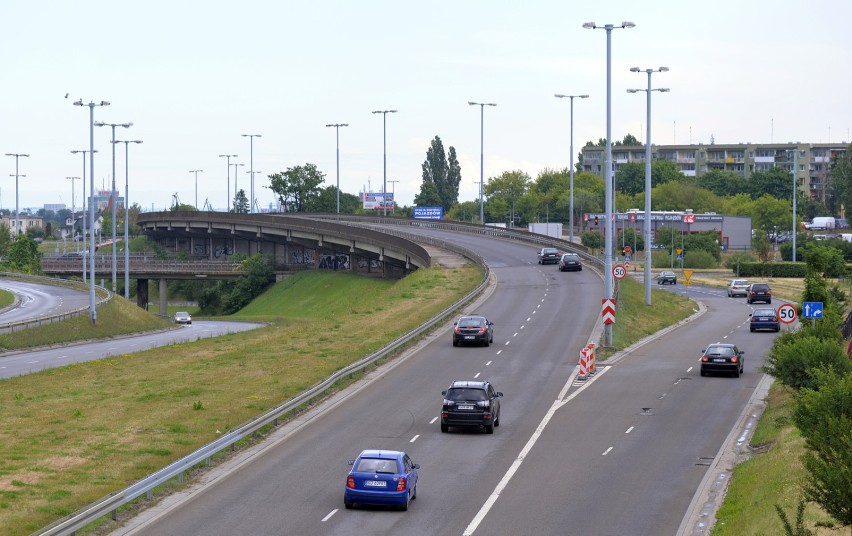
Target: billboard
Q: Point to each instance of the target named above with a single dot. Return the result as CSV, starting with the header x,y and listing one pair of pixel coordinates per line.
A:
x,y
376,201
429,213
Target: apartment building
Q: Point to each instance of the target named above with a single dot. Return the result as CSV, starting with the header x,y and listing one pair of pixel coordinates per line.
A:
x,y
814,160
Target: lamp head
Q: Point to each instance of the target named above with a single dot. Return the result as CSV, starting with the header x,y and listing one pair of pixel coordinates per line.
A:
x,y
136,141
628,24
663,69
103,103
589,25
633,90
125,125
560,96
664,90
78,102
583,96
635,69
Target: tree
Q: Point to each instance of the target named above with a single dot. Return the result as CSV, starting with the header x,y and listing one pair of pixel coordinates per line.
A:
x,y
824,416
630,139
444,175
776,182
761,246
630,178
297,186
723,183
24,256
326,201
428,196
241,204
841,177
466,211
504,193
5,239
770,213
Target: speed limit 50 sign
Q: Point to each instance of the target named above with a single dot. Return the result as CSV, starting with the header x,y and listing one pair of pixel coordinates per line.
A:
x,y
787,313
619,271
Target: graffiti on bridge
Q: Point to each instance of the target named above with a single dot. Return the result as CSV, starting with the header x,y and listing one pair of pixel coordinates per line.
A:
x,y
338,261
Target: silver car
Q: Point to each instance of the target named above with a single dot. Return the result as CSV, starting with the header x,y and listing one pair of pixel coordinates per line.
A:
x,y
738,287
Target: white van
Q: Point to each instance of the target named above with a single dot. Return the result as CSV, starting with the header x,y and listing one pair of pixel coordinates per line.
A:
x,y
822,223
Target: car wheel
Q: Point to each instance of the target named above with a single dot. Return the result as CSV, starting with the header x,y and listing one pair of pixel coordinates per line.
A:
x,y
348,505
489,428
497,420
455,342
751,329
703,373
777,329
414,495
737,373
404,507
580,269
768,301
487,343
444,428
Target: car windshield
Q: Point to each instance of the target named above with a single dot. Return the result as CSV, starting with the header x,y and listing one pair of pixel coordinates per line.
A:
x,y
471,322
720,350
182,315
376,465
460,394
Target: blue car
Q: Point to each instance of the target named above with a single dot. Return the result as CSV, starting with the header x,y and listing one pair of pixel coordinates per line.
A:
x,y
764,319
381,477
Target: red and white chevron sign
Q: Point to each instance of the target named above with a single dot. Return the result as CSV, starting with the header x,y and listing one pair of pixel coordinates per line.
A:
x,y
608,310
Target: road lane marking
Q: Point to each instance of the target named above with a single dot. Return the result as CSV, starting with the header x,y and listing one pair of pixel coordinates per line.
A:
x,y
475,376
689,369
31,362
490,361
558,403
522,327
528,319
507,343
413,439
629,430
326,518
515,335
433,420
607,451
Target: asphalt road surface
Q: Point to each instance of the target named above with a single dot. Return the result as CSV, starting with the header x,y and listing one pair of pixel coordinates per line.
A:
x,y
40,300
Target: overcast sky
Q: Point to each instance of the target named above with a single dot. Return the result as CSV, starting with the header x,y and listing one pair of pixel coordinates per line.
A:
x,y
194,75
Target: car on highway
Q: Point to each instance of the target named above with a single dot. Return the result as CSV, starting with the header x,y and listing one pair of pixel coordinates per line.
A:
x,y
548,256
764,318
182,317
667,277
471,404
721,357
570,262
758,292
473,329
381,477
738,287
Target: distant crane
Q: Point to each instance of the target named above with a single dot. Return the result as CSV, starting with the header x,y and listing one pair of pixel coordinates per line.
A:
x,y
175,201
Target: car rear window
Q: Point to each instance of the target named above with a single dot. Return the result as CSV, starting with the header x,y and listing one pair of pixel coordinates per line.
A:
x,y
376,465
764,312
470,322
462,393
549,251
720,350
760,286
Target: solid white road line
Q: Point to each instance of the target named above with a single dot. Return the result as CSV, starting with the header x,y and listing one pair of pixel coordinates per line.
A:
x,y
326,518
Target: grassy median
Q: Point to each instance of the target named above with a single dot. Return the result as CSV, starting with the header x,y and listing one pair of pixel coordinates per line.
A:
x,y
72,435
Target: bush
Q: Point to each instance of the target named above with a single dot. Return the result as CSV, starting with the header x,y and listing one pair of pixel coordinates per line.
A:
x,y
736,259
592,239
662,259
794,358
771,269
699,259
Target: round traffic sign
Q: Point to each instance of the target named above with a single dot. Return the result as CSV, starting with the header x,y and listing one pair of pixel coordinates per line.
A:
x,y
787,313
619,271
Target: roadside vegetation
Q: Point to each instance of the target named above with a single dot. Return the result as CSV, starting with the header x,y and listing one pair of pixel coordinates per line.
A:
x,y
71,435
6,298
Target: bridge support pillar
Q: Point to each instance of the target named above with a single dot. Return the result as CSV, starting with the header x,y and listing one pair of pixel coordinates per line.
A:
x,y
142,293
164,297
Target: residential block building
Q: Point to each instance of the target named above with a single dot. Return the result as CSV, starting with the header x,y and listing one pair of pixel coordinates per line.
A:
x,y
814,160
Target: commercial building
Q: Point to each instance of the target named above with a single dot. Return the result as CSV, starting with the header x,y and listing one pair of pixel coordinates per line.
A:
x,y
814,160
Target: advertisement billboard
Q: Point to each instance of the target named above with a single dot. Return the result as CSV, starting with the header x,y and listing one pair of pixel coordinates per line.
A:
x,y
377,201
429,213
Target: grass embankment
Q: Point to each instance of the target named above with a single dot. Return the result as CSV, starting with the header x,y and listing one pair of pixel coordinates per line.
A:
x,y
6,298
72,435
771,476
117,317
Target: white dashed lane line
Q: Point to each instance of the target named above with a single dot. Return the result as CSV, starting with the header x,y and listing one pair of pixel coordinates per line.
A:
x,y
413,439
433,420
607,451
629,430
475,376
326,518
486,364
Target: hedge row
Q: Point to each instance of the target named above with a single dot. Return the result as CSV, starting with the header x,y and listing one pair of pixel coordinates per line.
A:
x,y
776,269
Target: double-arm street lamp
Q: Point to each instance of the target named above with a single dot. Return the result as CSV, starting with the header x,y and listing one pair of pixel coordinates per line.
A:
x,y
93,314
252,202
608,187
251,138
126,216
228,156
647,228
17,156
385,155
571,166
196,171
482,106
113,192
337,135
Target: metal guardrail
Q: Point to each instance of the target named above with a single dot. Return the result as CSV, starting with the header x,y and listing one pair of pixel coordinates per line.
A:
x,y
80,519
10,327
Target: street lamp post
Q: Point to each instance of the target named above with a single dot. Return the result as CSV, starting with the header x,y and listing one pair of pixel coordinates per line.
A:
x,y
337,135
482,106
236,190
93,314
83,152
608,165
113,192
127,216
17,175
228,156
73,209
647,228
393,195
196,171
252,173
571,167
251,138
795,187
385,155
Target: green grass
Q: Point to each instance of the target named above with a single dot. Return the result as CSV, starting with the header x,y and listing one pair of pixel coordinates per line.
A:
x,y
74,434
6,298
771,476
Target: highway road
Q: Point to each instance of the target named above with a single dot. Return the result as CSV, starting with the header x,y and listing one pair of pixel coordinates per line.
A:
x,y
40,300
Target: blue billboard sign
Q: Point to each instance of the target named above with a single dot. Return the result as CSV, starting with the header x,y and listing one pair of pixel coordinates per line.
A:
x,y
429,213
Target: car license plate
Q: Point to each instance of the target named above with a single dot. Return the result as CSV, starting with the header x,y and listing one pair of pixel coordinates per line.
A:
x,y
720,360
761,319
375,484
469,337
465,406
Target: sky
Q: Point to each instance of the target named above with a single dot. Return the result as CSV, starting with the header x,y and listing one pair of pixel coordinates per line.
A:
x,y
194,76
